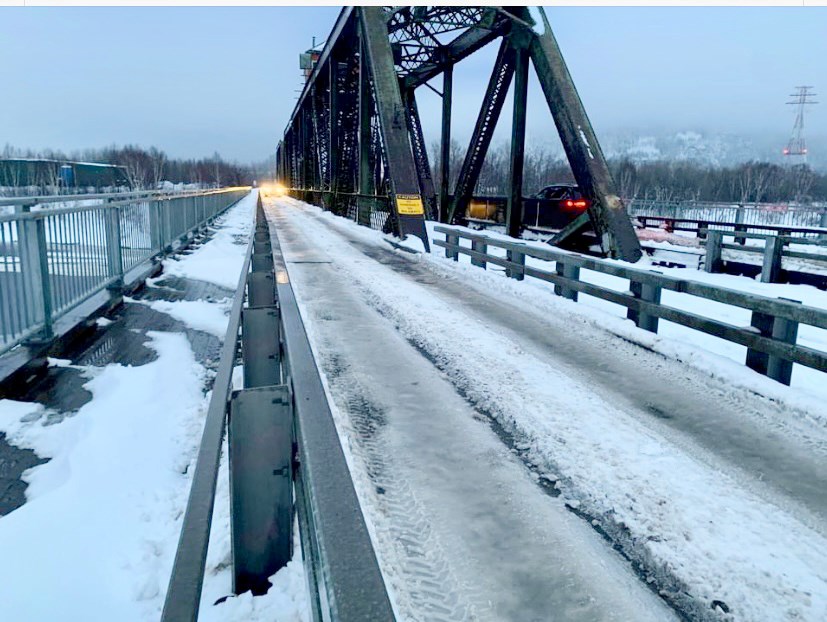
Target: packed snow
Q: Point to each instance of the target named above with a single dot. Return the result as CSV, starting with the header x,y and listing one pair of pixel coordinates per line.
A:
x,y
218,262
728,542
210,317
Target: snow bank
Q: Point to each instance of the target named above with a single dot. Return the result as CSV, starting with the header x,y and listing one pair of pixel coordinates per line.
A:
x,y
210,317
219,262
101,521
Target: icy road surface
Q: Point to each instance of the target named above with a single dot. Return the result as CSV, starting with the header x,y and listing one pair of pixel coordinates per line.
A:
x,y
466,415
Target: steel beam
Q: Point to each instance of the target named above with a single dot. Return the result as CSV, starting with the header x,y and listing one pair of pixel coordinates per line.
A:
x,y
406,201
514,207
334,131
483,131
366,178
608,214
420,152
463,46
445,142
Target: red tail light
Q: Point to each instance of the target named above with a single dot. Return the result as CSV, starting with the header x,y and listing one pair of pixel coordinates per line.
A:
x,y
578,204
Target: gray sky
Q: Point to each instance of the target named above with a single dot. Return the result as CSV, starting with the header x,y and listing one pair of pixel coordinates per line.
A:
x,y
197,80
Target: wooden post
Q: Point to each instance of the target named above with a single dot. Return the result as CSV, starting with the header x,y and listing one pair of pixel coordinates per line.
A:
x,y
518,272
771,268
567,271
712,261
647,293
480,247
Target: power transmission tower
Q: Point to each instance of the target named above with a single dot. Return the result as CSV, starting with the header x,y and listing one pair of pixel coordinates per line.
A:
x,y
797,147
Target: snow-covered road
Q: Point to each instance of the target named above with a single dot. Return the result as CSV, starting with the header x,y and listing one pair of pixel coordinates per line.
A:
x,y
498,444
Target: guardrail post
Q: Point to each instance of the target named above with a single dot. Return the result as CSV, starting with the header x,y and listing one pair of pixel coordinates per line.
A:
x,y
114,252
779,329
742,240
739,215
762,323
480,247
647,293
34,270
260,438
567,271
785,330
703,229
516,272
452,253
712,260
771,268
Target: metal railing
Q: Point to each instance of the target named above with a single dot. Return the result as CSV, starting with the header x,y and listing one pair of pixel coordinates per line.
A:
x,y
760,216
282,409
53,260
770,339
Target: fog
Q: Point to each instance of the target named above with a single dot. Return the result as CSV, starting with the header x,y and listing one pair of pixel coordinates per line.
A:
x,y
194,81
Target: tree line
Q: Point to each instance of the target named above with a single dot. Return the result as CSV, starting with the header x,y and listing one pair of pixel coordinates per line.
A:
x,y
663,180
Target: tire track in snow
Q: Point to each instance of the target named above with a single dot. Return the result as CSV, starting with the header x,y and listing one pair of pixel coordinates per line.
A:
x,y
424,581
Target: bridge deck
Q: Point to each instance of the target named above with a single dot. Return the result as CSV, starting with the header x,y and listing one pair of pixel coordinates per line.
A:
x,y
699,481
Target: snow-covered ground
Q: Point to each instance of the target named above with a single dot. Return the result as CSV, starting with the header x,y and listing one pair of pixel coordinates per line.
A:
x,y
674,486
97,535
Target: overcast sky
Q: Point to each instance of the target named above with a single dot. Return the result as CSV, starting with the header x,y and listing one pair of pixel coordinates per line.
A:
x,y
197,80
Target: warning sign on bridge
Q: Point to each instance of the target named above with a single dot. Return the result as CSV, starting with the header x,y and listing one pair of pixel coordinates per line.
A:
x,y
409,204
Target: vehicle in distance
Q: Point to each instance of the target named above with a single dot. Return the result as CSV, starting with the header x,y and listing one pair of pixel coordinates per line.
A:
x,y
554,206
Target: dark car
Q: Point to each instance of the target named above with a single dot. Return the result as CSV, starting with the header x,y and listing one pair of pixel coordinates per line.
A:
x,y
554,206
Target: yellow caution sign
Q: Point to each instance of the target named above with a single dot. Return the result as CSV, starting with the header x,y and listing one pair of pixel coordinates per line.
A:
x,y
409,205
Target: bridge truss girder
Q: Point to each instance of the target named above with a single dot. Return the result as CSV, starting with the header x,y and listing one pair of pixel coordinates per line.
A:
x,y
354,143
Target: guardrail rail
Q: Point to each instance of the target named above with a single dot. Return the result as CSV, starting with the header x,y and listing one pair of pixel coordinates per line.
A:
x,y
770,339
283,444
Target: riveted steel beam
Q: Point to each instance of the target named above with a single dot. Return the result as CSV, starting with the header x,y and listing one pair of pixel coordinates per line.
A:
x,y
420,153
445,143
405,199
608,214
514,207
492,105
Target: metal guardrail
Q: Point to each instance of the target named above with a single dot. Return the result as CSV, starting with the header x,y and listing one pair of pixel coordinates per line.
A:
x,y
281,437
752,215
770,339
700,227
72,198
53,260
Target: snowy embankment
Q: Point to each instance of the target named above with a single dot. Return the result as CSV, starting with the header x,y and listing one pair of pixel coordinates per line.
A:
x,y
97,535
722,545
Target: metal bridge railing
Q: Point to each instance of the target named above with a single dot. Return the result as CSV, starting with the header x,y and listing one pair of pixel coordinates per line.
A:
x,y
52,260
763,216
283,443
770,339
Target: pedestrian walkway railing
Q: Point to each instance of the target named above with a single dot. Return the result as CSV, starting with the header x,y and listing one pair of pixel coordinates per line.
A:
x,y
770,338
52,260
285,460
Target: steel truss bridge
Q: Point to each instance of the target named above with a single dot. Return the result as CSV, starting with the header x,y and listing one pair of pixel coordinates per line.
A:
x,y
354,143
